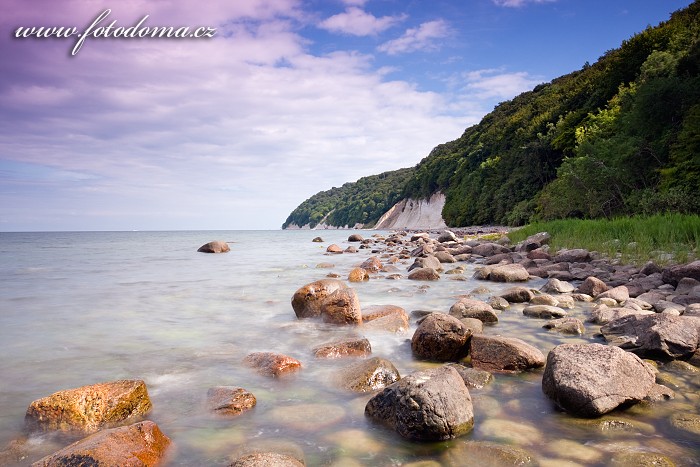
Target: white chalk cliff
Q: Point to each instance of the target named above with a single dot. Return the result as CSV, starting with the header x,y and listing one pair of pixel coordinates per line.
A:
x,y
415,214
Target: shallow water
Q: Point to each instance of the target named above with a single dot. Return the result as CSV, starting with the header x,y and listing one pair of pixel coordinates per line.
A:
x,y
85,307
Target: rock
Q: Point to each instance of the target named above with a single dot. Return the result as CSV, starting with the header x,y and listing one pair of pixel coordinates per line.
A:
x,y
349,347
653,336
568,325
590,380
424,274
267,459
350,249
469,308
688,422
217,246
307,300
664,306
650,268
342,307
602,314
447,236
140,444
486,454
518,294
335,249
501,258
539,253
660,393
229,400
533,242
429,405
557,286
389,318
445,257
367,375
355,238
544,299
572,256
420,236
272,364
503,354
372,264
475,326
498,303
544,311
672,275
90,408
358,275
317,240
472,377
510,432
509,273
440,338
686,285
620,294
489,249
592,286
640,459
429,261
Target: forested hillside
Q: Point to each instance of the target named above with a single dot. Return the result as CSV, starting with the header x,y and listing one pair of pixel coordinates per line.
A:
x,y
620,136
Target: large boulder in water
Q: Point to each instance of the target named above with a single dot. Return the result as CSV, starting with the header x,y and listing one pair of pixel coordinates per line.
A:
x,y
272,364
590,380
348,347
657,335
440,338
470,308
90,408
503,354
140,444
308,300
342,307
217,246
429,405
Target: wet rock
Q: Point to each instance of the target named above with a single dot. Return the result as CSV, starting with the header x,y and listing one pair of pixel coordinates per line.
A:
x,y
544,299
90,408
267,459
674,274
602,314
653,336
687,422
592,286
440,338
429,405
350,249
229,400
517,294
489,249
424,274
620,294
590,380
520,434
486,454
660,393
641,459
317,240
475,326
544,311
367,375
509,273
140,444
334,249
342,307
355,238
325,265
358,275
473,378
498,303
217,246
308,300
445,257
557,286
469,308
429,261
568,325
372,264
389,318
349,347
503,354
272,364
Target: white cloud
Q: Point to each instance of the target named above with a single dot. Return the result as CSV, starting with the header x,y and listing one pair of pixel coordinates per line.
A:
x,y
496,84
519,3
420,38
358,22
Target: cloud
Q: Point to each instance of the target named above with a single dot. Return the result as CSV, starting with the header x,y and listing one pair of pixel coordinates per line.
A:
x,y
357,22
420,38
519,3
496,84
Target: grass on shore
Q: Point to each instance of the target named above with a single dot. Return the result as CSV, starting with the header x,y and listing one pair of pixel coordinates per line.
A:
x,y
664,239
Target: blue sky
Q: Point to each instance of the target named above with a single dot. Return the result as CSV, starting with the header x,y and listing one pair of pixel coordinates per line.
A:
x,y
287,99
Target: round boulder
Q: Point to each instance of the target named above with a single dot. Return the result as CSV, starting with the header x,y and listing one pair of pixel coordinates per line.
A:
x,y
658,335
229,400
342,307
350,347
470,308
440,338
355,238
217,246
509,273
272,364
367,375
503,354
307,300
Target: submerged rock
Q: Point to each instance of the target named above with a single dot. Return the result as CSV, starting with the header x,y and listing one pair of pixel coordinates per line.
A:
x,y
272,364
367,375
267,459
229,400
568,325
486,454
217,246
429,405
90,408
473,378
350,347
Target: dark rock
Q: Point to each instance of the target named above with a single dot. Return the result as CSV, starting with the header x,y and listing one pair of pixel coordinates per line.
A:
x,y
590,380
90,408
272,364
140,444
440,338
350,249
308,300
503,354
489,249
593,286
518,295
473,378
367,375
498,303
424,274
217,246
674,274
650,268
317,240
342,307
686,285
429,405
355,238
229,400
447,236
501,258
572,256
349,347
653,336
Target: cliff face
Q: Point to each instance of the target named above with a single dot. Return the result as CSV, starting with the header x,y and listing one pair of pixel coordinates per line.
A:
x,y
415,214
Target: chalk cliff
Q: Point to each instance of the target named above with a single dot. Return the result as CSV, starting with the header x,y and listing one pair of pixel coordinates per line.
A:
x,y
415,214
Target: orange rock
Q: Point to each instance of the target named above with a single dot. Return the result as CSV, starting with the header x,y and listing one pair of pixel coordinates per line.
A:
x,y
358,275
272,364
217,246
230,400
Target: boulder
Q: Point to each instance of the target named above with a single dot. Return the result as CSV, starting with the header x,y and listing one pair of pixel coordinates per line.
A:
x,y
503,354
429,261
518,294
90,408
544,311
317,240
355,238
307,300
367,375
447,236
488,454
140,444
577,255
342,307
229,400
620,294
489,249
509,273
660,336
590,380
568,325
473,378
358,275
544,299
557,286
389,318
372,264
335,249
592,286
424,274
217,246
429,405
672,275
440,338
469,308
445,257
350,249
349,347
602,314
267,459
272,364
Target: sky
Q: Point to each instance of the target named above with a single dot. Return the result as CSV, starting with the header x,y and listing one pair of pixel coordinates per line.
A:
x,y
109,131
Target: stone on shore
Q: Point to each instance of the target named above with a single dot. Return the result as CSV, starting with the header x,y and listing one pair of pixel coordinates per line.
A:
x,y
489,249
509,273
503,354
390,318
470,308
272,364
367,375
217,246
372,264
429,405
556,286
229,400
620,294
440,338
592,286
90,408
576,255
308,300
657,335
349,347
674,274
140,444
590,380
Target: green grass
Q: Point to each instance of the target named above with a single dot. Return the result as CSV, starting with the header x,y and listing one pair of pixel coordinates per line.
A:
x,y
664,239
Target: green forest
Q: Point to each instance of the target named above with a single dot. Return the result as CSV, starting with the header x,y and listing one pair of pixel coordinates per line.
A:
x,y
620,136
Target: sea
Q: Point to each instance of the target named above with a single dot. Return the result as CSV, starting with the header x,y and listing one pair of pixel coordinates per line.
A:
x,y
78,308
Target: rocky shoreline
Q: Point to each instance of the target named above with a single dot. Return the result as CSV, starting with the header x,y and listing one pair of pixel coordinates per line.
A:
x,y
649,319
